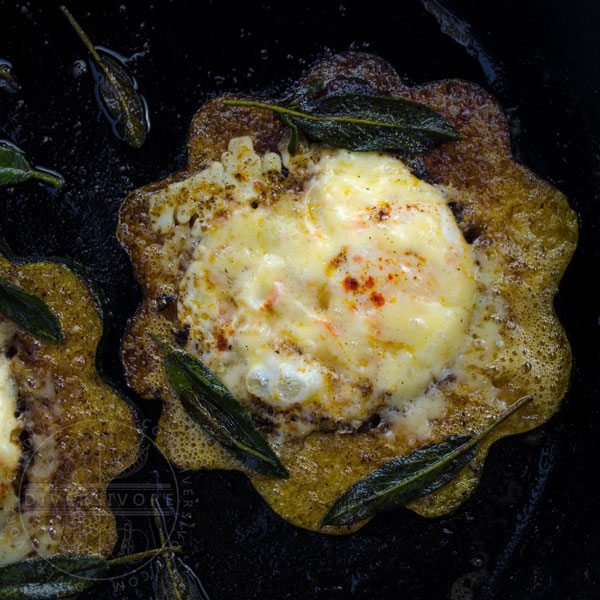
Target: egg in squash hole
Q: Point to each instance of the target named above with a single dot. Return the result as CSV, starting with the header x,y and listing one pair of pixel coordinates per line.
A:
x,y
329,305
65,434
359,312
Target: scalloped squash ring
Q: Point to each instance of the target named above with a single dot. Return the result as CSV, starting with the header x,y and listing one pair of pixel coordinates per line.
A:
x,y
359,312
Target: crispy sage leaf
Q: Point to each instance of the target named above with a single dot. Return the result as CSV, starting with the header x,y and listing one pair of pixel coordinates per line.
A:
x,y
118,91
14,168
299,95
60,576
7,79
215,409
296,98
409,477
30,311
173,580
361,122
295,134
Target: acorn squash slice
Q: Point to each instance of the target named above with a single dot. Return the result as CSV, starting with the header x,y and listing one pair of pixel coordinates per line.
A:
x,y
519,228
71,434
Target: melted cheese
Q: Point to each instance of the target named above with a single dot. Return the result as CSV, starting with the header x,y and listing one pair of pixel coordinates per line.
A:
x,y
14,542
10,451
341,300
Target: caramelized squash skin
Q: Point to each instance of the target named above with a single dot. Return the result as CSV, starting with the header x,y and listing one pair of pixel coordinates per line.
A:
x,y
77,433
506,212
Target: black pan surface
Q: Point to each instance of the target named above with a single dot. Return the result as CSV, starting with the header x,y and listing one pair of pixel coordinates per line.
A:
x,y
531,530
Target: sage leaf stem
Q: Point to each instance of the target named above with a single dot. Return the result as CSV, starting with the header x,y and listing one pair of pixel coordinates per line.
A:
x,y
315,117
129,558
15,168
411,477
173,582
30,311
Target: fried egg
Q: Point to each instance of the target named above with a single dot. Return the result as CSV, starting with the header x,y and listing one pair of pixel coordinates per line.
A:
x,y
340,300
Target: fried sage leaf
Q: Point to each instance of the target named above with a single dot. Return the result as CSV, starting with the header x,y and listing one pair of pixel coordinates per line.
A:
x,y
14,168
173,580
296,98
7,79
118,91
30,311
60,576
215,409
361,122
409,477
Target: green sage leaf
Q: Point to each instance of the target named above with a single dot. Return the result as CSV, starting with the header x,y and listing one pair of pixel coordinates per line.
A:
x,y
409,478
118,91
295,134
300,95
215,409
361,123
61,575
177,583
14,168
7,79
174,580
30,311
52,577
